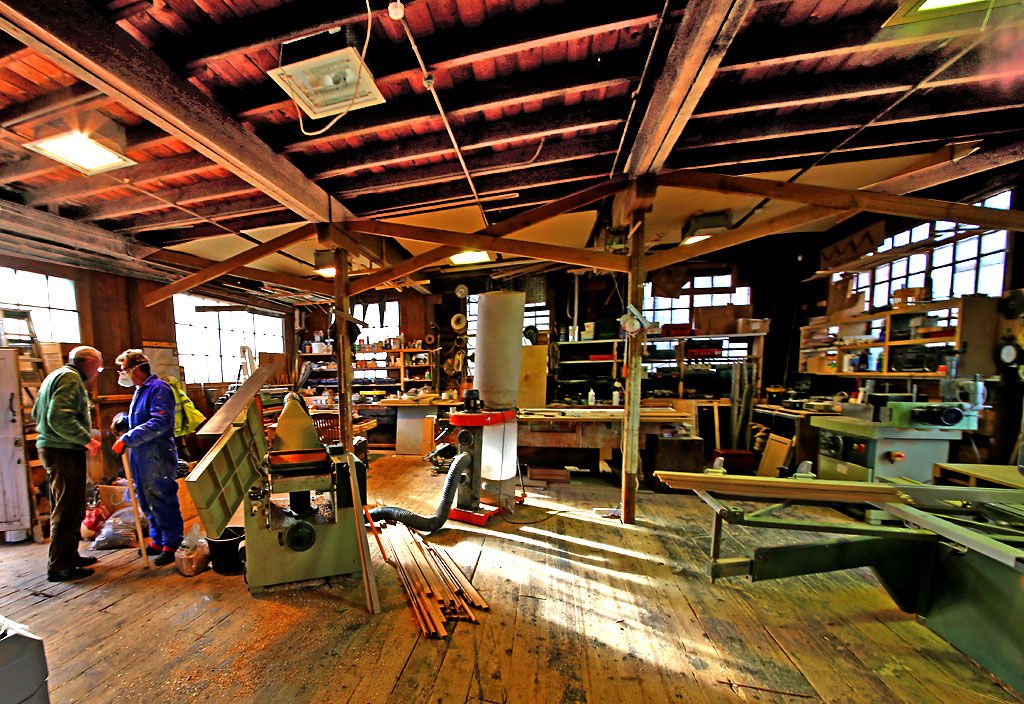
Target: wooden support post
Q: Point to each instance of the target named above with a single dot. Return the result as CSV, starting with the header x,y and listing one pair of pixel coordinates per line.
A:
x,y
634,356
344,347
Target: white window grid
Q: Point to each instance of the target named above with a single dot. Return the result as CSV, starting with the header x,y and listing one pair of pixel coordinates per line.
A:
x,y
51,301
663,310
536,314
965,264
382,322
209,342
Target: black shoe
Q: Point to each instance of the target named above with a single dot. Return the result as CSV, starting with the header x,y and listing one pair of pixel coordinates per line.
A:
x,y
165,557
68,575
150,550
85,561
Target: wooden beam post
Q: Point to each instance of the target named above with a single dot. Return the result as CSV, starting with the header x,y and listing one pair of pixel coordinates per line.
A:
x,y
228,265
344,348
634,356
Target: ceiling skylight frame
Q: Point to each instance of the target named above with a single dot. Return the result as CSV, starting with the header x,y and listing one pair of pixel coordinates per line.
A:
x,y
909,11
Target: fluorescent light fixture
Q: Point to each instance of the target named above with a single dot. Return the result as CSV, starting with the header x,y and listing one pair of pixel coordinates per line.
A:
x,y
693,239
323,263
325,85
81,152
470,258
921,10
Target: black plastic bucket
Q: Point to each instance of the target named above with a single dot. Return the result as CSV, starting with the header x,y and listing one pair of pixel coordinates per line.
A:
x,y
224,551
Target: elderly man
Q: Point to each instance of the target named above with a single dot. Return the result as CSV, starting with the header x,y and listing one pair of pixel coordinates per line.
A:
x,y
154,458
61,412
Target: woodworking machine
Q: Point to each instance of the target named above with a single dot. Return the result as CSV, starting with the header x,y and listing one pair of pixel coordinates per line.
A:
x,y
299,520
957,560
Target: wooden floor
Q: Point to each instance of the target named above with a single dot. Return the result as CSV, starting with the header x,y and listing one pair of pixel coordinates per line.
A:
x,y
583,610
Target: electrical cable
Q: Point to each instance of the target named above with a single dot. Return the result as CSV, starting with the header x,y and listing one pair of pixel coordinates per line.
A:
x,y
935,73
428,83
198,216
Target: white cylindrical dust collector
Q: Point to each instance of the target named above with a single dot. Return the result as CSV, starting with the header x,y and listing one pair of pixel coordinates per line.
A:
x,y
499,341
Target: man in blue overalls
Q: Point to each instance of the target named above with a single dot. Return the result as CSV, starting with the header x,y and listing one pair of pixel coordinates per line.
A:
x,y
154,458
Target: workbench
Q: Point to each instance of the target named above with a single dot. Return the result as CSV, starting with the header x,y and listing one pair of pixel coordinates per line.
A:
x,y
591,428
409,423
979,475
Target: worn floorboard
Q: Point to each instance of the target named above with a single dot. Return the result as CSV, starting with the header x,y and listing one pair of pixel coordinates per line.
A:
x,y
583,610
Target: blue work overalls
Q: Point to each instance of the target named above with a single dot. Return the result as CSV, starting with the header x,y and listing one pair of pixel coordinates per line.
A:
x,y
154,460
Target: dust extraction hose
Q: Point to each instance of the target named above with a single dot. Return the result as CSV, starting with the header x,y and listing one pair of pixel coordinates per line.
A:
x,y
428,525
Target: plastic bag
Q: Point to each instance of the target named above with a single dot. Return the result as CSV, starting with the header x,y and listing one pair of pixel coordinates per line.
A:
x,y
94,519
119,531
193,555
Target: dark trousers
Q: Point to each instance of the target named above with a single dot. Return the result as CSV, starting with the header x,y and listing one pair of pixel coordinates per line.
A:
x,y
66,472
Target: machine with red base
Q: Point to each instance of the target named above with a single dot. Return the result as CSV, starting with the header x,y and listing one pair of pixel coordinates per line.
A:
x,y
489,437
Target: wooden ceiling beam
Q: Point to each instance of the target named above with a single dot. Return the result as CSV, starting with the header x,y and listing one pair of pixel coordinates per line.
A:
x,y
544,26
196,192
190,261
212,271
75,37
202,213
548,153
466,101
847,199
700,40
764,43
187,164
867,145
463,240
553,122
499,229
923,108
514,182
167,238
730,96
45,105
934,169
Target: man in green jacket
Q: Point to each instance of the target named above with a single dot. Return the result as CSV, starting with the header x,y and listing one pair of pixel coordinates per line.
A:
x,y
61,412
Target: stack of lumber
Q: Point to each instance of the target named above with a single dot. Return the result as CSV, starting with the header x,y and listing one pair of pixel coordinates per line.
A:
x,y
438,589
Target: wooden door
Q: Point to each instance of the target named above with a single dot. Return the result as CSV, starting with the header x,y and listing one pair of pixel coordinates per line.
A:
x,y
15,513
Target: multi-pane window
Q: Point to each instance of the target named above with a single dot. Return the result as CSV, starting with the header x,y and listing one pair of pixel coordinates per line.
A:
x,y
382,322
702,292
210,342
962,261
51,300
536,314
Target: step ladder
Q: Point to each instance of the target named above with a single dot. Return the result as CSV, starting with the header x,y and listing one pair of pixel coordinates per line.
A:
x,y
17,332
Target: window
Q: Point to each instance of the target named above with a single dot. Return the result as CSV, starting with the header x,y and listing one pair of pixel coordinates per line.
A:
x,y
662,310
536,314
965,260
50,298
209,342
382,322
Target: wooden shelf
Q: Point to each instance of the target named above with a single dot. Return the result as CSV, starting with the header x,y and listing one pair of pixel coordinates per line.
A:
x,y
977,320
926,341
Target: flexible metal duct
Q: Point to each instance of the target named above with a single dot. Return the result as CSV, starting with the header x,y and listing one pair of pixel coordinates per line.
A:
x,y
426,524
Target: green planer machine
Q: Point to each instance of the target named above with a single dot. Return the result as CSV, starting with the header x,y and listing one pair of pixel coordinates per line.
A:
x,y
299,520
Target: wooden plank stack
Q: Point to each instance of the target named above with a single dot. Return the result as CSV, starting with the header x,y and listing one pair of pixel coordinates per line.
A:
x,y
438,589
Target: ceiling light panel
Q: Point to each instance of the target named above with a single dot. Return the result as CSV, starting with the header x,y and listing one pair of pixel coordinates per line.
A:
x,y
325,85
80,152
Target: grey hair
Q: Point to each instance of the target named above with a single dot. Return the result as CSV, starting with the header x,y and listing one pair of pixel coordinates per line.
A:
x,y
84,352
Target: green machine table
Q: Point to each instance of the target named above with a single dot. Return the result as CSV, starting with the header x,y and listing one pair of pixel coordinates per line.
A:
x,y
299,520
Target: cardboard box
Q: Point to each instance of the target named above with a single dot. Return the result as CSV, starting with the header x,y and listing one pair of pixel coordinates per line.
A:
x,y
744,325
114,498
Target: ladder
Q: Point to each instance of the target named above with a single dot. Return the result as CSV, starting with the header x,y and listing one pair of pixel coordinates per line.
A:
x,y
17,332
